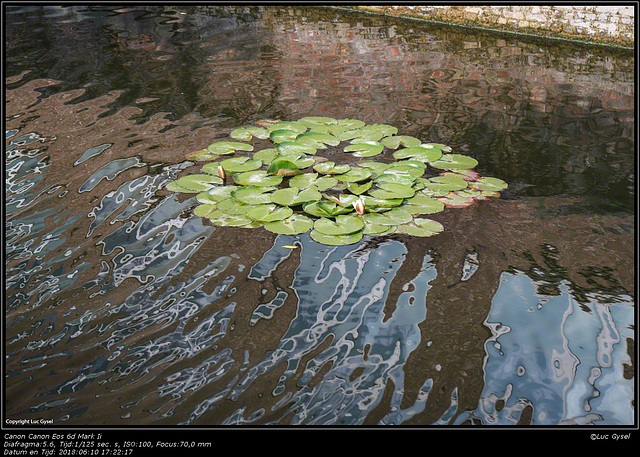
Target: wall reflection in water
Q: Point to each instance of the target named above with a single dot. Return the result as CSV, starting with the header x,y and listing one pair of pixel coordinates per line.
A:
x,y
125,308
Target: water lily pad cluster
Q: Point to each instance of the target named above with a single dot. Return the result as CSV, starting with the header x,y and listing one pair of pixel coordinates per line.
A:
x,y
318,174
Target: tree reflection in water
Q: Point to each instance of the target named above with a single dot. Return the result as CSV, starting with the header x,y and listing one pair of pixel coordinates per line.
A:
x,y
123,308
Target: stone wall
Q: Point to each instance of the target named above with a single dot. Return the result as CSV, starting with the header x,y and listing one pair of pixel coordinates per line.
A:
x,y
601,24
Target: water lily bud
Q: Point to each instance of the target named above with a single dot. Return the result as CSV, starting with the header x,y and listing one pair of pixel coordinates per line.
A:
x,y
359,206
221,172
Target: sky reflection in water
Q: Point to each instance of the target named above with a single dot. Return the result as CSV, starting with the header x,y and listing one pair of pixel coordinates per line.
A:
x,y
548,352
116,292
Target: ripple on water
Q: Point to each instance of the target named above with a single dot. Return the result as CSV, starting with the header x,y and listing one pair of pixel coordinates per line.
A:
x,y
555,358
110,314
92,152
344,301
110,171
152,250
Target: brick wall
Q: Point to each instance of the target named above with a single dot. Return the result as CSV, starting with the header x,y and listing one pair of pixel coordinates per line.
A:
x,y
605,24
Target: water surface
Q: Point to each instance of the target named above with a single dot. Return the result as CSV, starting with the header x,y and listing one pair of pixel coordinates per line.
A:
x,y
123,308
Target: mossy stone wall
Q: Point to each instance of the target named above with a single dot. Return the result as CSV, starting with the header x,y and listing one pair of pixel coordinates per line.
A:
x,y
601,24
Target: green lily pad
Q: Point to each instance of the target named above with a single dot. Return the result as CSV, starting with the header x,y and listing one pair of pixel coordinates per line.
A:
x,y
355,174
359,188
336,240
269,213
303,162
449,183
344,200
454,200
390,190
266,155
325,208
194,183
378,229
202,155
283,167
394,216
342,225
469,192
394,142
330,168
399,178
282,135
387,130
486,194
365,149
454,161
430,192
233,165
421,204
313,121
478,194
295,147
204,198
290,165
386,203
257,178
233,207
351,123
248,132
317,140
292,196
467,175
442,147
333,129
293,225
216,194
220,218
228,147
254,195
371,198
293,126
361,135
421,227
308,180
204,209
377,168
489,184
384,129
418,184
414,168
423,153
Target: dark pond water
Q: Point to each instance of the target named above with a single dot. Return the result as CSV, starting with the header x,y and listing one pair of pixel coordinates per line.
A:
x,y
123,308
